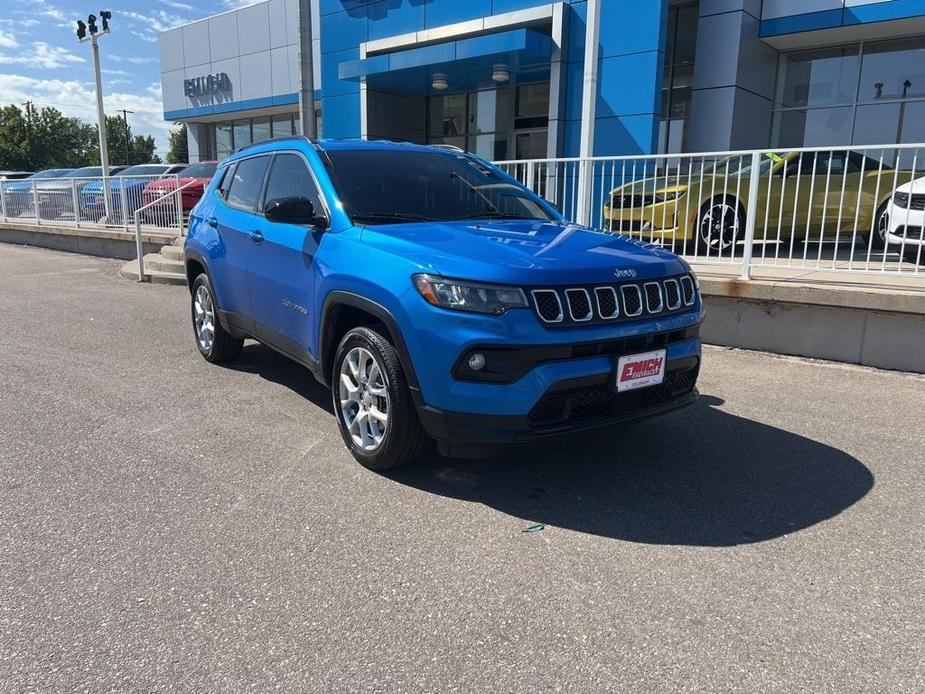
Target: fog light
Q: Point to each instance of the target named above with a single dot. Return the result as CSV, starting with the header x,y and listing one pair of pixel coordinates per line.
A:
x,y
477,361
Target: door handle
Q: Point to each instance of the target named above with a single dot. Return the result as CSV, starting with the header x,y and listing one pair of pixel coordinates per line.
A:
x,y
212,221
256,236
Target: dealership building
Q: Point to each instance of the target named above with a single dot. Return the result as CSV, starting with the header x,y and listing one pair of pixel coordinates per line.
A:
x,y
510,79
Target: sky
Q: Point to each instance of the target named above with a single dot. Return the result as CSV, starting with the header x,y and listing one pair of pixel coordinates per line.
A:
x,y
42,61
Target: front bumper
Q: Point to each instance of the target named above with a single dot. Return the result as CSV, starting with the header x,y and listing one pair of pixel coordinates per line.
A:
x,y
567,408
905,226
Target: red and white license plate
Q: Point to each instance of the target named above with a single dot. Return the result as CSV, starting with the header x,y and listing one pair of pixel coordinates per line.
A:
x,y
641,370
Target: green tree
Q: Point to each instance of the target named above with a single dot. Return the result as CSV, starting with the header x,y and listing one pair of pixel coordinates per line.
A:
x,y
178,146
33,140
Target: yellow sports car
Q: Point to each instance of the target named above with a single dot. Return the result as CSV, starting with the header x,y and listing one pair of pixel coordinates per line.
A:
x,y
821,196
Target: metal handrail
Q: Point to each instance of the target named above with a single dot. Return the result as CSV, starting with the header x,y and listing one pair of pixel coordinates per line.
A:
x,y
139,246
701,155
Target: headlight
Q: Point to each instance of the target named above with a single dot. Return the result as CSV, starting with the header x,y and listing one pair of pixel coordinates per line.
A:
x,y
459,295
669,196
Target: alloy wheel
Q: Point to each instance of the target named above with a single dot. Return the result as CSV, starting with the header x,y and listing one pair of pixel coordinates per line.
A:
x,y
719,226
364,399
204,318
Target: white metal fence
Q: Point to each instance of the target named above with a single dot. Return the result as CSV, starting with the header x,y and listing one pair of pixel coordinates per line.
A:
x,y
109,202
856,209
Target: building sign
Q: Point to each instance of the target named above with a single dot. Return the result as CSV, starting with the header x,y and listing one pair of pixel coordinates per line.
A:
x,y
208,84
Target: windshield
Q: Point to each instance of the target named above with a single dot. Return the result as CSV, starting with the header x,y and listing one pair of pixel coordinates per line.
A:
x,y
144,170
52,173
393,186
88,171
198,171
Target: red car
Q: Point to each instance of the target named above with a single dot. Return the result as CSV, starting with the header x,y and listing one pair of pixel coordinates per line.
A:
x,y
198,174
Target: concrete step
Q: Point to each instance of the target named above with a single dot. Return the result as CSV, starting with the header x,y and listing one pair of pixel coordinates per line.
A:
x,y
159,262
130,271
172,252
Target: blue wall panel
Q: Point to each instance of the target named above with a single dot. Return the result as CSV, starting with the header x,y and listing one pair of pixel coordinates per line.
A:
x,y
440,12
394,17
342,116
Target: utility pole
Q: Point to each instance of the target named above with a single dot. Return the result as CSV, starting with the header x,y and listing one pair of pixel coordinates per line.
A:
x,y
128,144
307,70
93,38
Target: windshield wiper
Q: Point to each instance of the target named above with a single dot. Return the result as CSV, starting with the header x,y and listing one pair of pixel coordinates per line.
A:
x,y
391,216
496,215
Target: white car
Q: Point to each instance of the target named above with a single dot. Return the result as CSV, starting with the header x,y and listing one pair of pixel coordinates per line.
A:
x,y
905,220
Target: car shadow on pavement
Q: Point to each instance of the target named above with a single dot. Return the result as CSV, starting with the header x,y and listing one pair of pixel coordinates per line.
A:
x,y
264,362
699,477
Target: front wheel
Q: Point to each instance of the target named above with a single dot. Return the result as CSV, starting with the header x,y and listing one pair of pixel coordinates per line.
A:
x,y
881,227
375,414
720,224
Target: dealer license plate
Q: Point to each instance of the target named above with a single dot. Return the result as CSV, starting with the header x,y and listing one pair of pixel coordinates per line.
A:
x,y
641,370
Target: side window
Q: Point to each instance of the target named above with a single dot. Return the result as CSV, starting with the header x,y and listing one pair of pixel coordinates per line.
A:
x,y
227,174
246,183
290,178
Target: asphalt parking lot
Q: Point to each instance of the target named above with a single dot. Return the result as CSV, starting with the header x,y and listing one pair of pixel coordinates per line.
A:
x,y
166,525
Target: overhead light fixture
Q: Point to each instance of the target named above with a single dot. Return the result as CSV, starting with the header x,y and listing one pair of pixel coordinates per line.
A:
x,y
501,73
439,81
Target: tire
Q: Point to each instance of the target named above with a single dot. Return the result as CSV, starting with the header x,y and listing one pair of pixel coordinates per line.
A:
x,y
720,223
914,254
880,227
223,347
376,381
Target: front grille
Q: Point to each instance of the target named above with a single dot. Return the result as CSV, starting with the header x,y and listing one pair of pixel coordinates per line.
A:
x,y
579,305
608,306
910,233
548,305
672,295
632,300
602,401
628,202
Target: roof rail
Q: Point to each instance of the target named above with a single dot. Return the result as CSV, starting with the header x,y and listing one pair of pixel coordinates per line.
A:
x,y
452,148
288,138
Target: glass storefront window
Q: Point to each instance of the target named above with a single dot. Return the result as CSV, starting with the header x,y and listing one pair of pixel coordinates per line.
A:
x,y
489,111
823,77
893,70
678,79
866,94
242,133
223,142
448,115
818,127
260,127
282,125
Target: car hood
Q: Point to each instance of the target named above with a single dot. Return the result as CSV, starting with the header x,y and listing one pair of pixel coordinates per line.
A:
x,y
525,252
917,187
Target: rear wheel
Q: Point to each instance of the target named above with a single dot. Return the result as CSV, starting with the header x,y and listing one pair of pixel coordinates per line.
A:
x,y
720,224
375,414
215,344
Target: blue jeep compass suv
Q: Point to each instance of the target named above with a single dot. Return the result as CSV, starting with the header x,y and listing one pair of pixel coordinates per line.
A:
x,y
437,297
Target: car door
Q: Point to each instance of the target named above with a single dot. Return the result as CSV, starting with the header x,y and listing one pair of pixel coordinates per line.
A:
x,y
235,219
280,262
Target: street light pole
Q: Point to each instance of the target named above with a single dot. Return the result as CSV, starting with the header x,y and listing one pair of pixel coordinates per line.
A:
x,y
128,160
93,38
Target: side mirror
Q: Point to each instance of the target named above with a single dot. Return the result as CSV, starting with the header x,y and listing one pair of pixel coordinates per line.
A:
x,y
295,210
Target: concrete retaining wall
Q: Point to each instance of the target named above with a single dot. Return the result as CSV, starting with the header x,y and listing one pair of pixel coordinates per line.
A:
x,y
852,325
105,243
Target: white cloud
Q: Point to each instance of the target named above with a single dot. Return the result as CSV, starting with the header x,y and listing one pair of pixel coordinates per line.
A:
x,y
74,98
42,55
153,22
8,41
235,4
178,5
134,60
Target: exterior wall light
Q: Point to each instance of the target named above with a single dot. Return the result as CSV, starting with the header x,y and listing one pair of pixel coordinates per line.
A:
x,y
500,73
439,81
